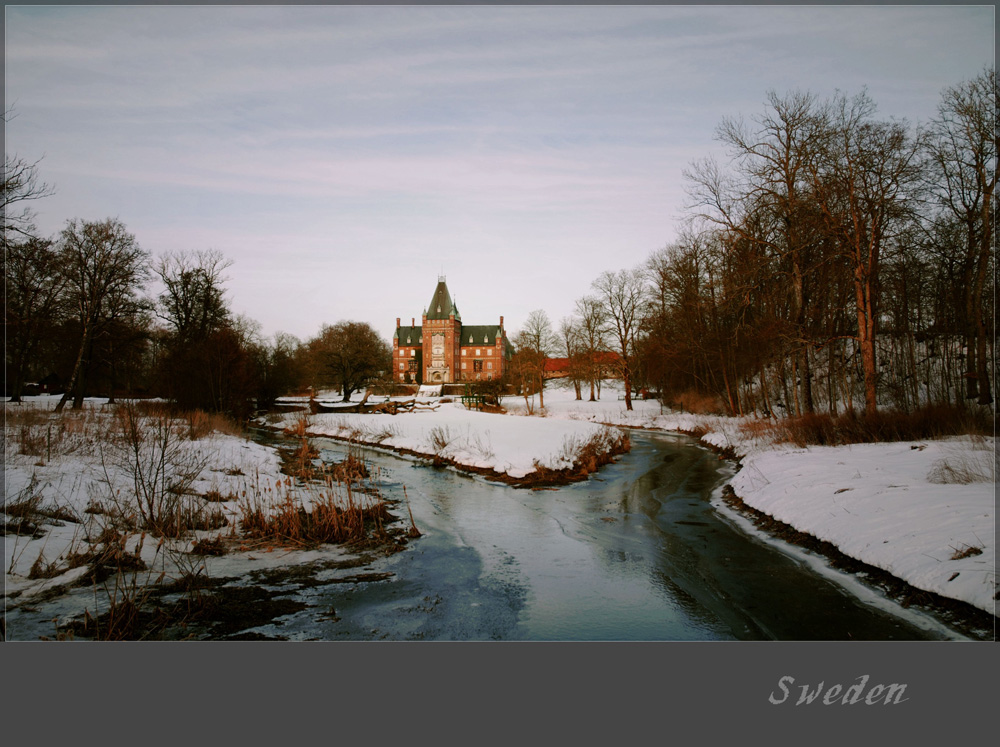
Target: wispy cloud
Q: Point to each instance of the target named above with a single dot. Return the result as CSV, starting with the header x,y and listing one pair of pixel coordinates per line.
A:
x,y
416,136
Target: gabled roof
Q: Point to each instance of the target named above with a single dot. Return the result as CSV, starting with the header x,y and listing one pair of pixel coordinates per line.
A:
x,y
482,334
408,335
441,306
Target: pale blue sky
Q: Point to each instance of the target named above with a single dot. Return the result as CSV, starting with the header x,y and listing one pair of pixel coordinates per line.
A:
x,y
344,156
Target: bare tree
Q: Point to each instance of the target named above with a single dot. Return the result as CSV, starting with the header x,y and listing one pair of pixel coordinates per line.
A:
x,y
963,150
535,344
767,203
33,286
592,327
623,295
104,267
865,184
572,344
193,301
21,184
276,364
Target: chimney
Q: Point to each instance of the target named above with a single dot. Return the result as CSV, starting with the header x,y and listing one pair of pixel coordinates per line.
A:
x,y
397,322
413,321
501,322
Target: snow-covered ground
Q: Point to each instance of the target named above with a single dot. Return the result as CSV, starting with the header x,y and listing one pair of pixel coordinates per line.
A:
x,y
895,506
74,473
507,445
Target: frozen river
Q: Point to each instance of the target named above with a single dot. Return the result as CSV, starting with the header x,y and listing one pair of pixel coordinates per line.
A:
x,y
638,552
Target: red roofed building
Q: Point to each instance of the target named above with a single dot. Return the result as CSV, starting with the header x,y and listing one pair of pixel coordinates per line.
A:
x,y
606,363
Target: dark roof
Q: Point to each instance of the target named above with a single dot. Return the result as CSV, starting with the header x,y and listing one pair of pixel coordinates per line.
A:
x,y
442,306
408,335
482,334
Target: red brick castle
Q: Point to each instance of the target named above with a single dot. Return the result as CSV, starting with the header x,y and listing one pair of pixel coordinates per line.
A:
x,y
442,350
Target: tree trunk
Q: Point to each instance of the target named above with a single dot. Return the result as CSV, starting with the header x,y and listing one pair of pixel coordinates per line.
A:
x,y
77,366
866,339
807,392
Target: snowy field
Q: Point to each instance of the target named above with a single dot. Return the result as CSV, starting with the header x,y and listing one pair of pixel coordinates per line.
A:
x,y
922,511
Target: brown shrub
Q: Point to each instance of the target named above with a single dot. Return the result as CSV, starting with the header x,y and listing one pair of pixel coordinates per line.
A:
x,y
933,421
698,403
214,546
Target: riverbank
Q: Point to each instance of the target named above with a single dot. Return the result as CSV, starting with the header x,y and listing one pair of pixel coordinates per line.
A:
x,y
920,511
521,452
92,541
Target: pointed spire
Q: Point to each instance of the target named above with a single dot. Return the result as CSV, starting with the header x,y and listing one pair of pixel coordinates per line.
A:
x,y
441,304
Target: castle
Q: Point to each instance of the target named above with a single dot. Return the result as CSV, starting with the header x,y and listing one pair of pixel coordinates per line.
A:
x,y
442,350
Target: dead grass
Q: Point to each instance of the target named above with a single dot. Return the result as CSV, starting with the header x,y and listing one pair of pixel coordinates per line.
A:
x,y
351,470
27,512
440,438
327,517
966,461
967,551
588,456
37,432
215,546
936,421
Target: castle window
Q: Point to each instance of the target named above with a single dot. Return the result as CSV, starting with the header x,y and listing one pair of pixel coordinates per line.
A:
x,y
489,364
464,351
489,351
470,339
478,351
463,365
413,353
401,365
413,365
485,338
477,365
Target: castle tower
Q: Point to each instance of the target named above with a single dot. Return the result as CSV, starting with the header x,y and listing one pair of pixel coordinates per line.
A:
x,y
442,329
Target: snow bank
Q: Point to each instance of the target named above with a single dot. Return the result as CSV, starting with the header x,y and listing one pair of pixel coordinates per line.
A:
x,y
506,444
